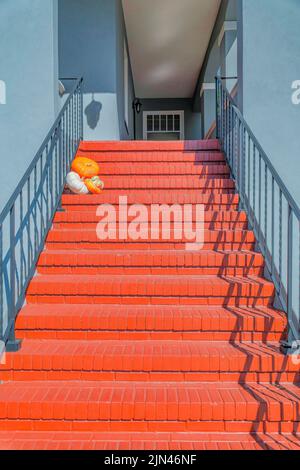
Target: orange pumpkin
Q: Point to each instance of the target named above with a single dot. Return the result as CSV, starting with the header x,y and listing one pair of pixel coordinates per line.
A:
x,y
85,167
94,185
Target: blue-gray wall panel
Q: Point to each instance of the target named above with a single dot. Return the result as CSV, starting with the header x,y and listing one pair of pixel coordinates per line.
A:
x,y
28,65
269,63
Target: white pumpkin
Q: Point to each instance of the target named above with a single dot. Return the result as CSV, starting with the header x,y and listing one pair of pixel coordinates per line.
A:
x,y
76,184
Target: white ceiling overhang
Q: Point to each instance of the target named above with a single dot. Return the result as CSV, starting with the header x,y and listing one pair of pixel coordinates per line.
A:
x,y
168,40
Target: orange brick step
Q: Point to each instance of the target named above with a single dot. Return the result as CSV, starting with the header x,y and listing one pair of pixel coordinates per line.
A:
x,y
72,359
210,236
230,226
179,196
163,170
96,406
217,185
159,262
146,157
30,440
150,289
85,216
141,146
102,322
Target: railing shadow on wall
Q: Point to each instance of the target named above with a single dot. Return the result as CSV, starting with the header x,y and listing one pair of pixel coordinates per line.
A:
x,y
273,214
27,217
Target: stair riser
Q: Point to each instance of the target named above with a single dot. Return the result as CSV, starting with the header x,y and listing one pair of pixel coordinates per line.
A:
x,y
218,271
157,158
73,365
167,196
122,147
114,201
182,236
91,217
210,177
103,245
145,336
163,377
149,426
161,260
191,169
123,300
207,225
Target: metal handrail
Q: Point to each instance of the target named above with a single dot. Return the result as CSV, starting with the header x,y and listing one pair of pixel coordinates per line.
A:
x,y
271,209
27,217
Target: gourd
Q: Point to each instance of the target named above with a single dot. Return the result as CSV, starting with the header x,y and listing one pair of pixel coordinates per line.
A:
x,y
85,167
94,185
76,184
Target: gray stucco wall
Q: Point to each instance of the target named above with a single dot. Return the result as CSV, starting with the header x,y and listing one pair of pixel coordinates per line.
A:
x,y
28,66
218,60
268,64
192,119
91,37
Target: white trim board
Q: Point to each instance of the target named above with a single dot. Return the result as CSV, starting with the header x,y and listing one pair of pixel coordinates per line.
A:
x,y
227,26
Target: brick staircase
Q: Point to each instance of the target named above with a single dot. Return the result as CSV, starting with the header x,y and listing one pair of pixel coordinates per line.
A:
x,y
144,345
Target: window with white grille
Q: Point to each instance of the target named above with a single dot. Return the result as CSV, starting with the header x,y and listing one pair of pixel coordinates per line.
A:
x,y
163,125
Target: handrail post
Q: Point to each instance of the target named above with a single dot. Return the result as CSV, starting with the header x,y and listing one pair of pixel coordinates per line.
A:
x,y
81,109
217,109
61,162
290,268
12,344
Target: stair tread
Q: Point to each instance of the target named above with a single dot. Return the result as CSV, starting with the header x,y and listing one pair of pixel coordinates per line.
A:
x,y
92,401
150,355
150,317
145,441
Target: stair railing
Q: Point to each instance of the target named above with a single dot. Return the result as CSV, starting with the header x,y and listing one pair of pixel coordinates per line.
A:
x,y
27,217
273,214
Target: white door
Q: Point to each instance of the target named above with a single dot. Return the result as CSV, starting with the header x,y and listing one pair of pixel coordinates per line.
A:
x,y
163,125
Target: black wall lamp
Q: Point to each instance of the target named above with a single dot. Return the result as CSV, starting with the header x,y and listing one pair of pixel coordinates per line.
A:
x,y
137,108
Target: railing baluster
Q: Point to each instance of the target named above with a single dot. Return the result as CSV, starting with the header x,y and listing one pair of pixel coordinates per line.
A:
x,y
1,284
259,198
12,248
42,202
266,208
35,213
249,173
290,264
254,186
273,226
28,226
21,244
280,237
